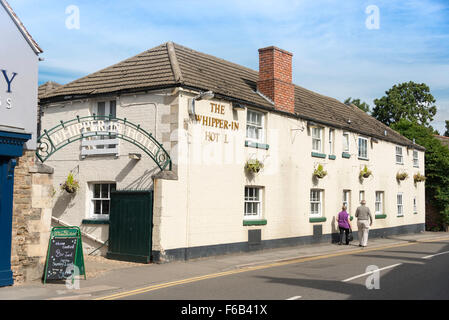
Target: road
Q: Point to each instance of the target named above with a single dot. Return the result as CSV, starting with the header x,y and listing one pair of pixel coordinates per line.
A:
x,y
412,271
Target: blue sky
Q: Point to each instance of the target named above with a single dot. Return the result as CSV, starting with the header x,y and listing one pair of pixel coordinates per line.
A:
x,y
334,53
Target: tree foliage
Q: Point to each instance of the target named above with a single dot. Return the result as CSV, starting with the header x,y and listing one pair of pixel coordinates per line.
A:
x,y
408,100
436,164
361,105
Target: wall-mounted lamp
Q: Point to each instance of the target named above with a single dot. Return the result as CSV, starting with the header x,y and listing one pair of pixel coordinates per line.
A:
x,y
202,96
135,156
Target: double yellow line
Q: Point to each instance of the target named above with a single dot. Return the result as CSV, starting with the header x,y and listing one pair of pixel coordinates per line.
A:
x,y
247,269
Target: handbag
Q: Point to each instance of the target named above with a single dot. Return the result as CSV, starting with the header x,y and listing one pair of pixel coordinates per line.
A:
x,y
350,236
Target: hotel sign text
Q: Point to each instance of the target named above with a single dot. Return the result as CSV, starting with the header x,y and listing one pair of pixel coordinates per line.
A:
x,y
213,122
104,126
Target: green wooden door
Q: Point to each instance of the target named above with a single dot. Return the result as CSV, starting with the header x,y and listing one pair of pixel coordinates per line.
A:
x,y
130,226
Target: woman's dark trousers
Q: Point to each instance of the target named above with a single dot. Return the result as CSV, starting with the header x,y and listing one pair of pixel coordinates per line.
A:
x,y
346,231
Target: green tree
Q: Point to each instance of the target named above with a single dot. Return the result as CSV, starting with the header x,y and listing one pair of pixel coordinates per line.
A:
x,y
446,134
361,105
408,100
436,165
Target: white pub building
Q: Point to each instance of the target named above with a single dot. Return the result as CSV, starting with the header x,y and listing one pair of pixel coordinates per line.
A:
x,y
179,155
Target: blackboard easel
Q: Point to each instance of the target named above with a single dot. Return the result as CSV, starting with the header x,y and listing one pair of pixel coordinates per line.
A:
x,y
65,253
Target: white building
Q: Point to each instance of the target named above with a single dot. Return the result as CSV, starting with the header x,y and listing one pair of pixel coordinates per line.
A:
x,y
212,117
24,220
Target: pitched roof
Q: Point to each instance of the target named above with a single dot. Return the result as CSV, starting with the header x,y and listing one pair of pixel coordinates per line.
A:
x,y
444,140
47,87
33,44
171,64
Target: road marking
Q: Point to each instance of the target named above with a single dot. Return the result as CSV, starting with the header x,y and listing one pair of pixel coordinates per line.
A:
x,y
367,273
294,298
433,255
76,297
247,269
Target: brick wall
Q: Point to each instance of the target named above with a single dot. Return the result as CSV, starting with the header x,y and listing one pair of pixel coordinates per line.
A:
x,y
275,77
31,219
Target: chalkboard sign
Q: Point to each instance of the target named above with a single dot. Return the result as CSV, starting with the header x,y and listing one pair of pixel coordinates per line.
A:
x,y
61,258
65,254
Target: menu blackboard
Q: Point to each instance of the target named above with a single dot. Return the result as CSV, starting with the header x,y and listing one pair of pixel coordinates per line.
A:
x,y
65,254
61,258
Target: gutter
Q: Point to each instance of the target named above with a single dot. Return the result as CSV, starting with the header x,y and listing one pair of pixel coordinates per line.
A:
x,y
231,99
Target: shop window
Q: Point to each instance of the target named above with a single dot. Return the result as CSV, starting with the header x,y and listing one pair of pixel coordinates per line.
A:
x,y
101,199
253,203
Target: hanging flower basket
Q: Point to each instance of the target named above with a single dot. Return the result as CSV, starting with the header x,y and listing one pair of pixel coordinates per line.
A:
x,y
365,173
401,176
419,177
70,185
253,166
319,172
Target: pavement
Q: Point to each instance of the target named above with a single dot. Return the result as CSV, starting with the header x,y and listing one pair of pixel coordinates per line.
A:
x,y
108,277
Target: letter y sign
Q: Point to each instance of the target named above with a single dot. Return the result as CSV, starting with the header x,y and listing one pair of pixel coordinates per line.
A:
x,y
8,81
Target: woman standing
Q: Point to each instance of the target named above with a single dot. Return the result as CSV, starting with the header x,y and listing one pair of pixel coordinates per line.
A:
x,y
343,224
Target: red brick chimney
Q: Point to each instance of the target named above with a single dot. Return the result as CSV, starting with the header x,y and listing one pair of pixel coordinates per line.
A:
x,y
275,77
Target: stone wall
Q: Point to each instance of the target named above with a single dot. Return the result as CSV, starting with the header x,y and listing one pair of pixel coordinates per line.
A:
x,y
32,205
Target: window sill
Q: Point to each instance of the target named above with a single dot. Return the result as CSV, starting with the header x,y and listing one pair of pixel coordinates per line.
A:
x,y
95,221
401,216
332,157
345,155
318,155
256,145
364,159
318,219
380,216
260,222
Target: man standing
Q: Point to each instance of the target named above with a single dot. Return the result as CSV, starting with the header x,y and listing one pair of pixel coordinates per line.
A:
x,y
364,221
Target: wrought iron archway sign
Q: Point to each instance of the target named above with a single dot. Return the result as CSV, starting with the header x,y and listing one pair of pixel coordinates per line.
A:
x,y
101,126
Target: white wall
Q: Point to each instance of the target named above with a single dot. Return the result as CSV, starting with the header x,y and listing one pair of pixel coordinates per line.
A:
x,y
18,108
125,172
205,206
